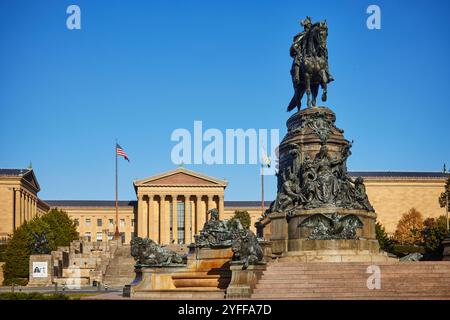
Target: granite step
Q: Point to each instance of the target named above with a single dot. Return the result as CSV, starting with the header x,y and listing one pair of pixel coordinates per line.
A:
x,y
399,280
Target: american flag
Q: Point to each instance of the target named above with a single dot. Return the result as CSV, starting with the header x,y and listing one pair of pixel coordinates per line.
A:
x,y
120,152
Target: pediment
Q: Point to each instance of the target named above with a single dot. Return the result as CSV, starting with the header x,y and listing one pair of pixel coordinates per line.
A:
x,y
180,177
30,178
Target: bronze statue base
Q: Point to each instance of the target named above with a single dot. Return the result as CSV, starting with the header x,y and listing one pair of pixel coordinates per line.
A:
x,y
206,275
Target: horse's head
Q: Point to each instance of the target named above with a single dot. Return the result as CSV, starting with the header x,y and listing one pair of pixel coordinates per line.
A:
x,y
322,33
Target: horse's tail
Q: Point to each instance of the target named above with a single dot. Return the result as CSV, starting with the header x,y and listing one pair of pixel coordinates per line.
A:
x,y
293,103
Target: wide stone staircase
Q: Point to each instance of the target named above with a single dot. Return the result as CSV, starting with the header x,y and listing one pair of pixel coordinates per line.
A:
x,y
398,280
120,270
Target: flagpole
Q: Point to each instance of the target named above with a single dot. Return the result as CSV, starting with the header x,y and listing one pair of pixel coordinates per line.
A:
x,y
262,188
117,234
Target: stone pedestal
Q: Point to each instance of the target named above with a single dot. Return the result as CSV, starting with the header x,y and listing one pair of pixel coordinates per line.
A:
x,y
41,270
320,213
446,245
243,280
206,275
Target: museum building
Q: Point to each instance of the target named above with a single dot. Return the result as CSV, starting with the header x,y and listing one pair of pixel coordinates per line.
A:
x,y
172,207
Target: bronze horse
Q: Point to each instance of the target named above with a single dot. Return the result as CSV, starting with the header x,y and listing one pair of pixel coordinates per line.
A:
x,y
313,67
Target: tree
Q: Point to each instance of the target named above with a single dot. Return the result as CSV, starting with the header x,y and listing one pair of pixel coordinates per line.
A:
x,y
444,200
17,254
59,230
64,230
434,232
243,217
385,242
409,228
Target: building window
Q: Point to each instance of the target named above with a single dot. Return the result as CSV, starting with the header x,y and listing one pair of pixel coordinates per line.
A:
x,y
132,235
88,222
110,235
99,236
99,222
88,235
77,222
111,223
180,220
132,222
122,222
122,236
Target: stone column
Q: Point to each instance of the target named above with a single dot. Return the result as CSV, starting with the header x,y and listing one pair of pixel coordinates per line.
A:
x,y
18,208
163,220
151,217
187,219
221,207
174,219
26,207
200,213
210,204
145,216
141,221
156,220
22,207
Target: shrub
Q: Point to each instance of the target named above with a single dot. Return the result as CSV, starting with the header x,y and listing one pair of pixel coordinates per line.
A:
x,y
32,296
243,217
409,228
401,250
16,281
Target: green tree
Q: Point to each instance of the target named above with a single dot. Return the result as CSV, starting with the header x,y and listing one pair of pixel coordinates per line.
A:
x,y
63,229
385,242
17,254
434,232
59,230
243,217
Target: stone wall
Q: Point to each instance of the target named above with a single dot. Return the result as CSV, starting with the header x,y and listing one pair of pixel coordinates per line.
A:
x,y
393,197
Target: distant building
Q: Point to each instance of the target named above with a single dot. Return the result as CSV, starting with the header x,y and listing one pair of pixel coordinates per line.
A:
x,y
171,207
18,199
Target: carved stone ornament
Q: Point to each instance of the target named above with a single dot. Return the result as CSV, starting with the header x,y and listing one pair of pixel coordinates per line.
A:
x,y
330,227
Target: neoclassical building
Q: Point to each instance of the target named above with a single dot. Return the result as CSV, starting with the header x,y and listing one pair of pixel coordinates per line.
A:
x,y
18,199
171,207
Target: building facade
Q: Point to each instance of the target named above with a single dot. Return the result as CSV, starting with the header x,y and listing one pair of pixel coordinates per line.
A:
x,y
172,207
18,199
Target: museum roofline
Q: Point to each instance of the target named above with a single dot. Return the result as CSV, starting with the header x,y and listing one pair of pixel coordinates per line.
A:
x,y
399,174
13,172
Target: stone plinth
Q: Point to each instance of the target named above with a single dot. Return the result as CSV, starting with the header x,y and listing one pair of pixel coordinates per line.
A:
x,y
310,136
243,281
41,270
206,275
317,198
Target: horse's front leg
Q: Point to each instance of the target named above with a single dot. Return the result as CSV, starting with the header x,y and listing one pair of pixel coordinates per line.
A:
x,y
308,89
324,85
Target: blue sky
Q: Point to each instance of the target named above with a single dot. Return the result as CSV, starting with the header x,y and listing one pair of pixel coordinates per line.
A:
x,y
137,70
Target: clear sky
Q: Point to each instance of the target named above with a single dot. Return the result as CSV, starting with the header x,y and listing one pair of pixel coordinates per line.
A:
x,y
137,70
